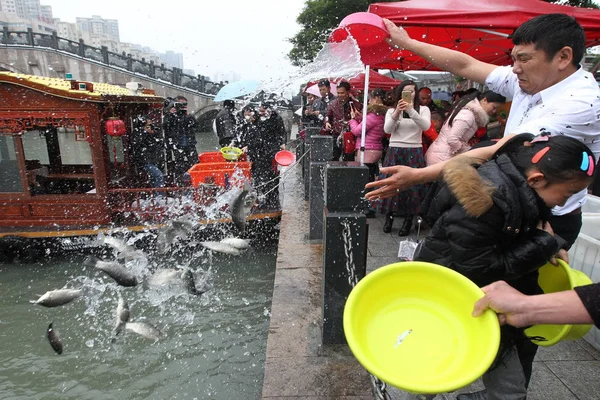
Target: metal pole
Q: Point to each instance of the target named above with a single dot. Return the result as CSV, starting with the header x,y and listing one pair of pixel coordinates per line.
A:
x,y
364,116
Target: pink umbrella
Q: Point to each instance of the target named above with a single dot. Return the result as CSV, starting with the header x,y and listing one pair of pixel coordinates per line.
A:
x,y
314,89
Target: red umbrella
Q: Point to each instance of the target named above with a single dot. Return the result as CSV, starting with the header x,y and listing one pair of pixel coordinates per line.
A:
x,y
479,28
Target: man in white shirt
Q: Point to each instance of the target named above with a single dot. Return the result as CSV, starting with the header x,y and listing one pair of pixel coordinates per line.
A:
x,y
551,93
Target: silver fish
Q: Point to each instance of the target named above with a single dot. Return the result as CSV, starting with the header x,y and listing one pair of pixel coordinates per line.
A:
x,y
401,337
221,248
55,298
119,273
54,339
178,229
144,329
168,276
238,208
240,244
122,316
187,277
124,250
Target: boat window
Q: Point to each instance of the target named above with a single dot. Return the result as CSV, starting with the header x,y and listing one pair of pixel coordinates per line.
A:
x,y
58,161
10,177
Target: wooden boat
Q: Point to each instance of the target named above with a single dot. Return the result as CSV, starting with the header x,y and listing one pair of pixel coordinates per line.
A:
x,y
62,175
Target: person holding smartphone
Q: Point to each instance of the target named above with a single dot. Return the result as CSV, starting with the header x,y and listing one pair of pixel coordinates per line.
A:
x,y
338,115
405,123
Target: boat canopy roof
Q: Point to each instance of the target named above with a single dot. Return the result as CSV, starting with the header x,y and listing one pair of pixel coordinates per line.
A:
x,y
80,90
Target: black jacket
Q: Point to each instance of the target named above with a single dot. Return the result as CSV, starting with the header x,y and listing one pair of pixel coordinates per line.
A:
x,y
226,124
147,148
180,130
271,135
485,225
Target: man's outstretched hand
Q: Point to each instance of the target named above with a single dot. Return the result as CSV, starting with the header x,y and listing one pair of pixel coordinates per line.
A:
x,y
402,178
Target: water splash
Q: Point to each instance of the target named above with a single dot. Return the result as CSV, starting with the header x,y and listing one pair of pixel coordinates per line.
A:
x,y
335,60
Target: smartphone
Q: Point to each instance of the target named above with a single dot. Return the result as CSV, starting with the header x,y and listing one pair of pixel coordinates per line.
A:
x,y
407,96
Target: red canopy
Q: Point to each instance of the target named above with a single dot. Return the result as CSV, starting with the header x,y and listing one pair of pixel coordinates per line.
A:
x,y
478,28
376,80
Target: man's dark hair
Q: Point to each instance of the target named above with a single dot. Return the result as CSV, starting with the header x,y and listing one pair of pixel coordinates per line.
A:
x,y
344,85
324,82
180,99
552,32
229,104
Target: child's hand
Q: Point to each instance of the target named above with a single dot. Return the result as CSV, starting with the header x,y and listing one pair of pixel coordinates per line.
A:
x,y
562,254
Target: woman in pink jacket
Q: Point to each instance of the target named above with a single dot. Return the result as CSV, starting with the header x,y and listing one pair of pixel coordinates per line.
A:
x,y
374,131
470,113
373,135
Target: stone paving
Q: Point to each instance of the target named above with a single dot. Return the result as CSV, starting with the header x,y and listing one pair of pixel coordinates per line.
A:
x,y
297,366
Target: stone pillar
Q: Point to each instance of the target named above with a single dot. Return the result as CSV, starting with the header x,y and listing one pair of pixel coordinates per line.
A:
x,y
104,52
321,148
54,40
5,35
30,37
344,242
310,131
81,49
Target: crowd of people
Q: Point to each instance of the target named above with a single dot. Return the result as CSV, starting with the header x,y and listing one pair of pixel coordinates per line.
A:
x,y
260,132
404,126
165,150
500,210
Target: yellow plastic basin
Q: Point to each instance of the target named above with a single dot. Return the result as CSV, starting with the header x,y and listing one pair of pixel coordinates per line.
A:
x,y
231,153
556,279
410,325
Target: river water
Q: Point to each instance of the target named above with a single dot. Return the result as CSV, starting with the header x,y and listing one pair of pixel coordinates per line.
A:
x,y
213,346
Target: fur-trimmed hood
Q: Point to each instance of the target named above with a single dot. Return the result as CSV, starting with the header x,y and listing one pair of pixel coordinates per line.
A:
x,y
497,182
471,191
378,109
481,117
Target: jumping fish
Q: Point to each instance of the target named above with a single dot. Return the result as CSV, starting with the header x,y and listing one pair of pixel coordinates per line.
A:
x,y
174,230
144,329
239,209
54,339
122,316
221,248
167,276
240,244
55,298
115,270
123,249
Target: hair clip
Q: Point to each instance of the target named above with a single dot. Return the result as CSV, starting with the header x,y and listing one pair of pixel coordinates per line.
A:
x,y
538,156
541,138
587,164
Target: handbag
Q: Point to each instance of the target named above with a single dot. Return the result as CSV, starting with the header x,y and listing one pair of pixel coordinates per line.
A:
x,y
410,248
349,142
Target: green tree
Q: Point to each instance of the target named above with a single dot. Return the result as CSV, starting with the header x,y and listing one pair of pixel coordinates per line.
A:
x,y
318,19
